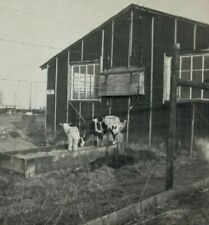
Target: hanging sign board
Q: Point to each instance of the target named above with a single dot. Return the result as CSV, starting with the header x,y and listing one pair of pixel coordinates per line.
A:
x,y
122,84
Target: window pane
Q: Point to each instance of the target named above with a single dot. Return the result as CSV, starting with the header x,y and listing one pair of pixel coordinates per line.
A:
x,y
186,63
197,62
196,77
75,95
83,69
82,95
185,92
206,62
76,69
90,69
206,76
96,69
206,80
185,75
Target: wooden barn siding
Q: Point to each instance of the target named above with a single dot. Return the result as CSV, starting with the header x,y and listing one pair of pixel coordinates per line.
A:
x,y
202,37
121,40
201,120
73,117
50,98
141,55
62,71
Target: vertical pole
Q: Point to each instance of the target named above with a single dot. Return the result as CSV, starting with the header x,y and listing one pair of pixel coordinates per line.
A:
x,y
194,36
192,130
47,68
30,95
102,53
151,84
55,99
68,90
112,43
15,100
93,105
172,119
82,46
203,66
110,106
128,119
175,30
79,119
191,77
130,46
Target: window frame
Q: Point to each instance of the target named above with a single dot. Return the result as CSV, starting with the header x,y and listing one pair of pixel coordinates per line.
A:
x,y
72,84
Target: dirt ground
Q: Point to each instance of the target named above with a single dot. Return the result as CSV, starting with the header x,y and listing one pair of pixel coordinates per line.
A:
x,y
15,135
190,209
63,197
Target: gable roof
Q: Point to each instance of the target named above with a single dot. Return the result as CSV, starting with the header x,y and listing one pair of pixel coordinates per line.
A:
x,y
132,6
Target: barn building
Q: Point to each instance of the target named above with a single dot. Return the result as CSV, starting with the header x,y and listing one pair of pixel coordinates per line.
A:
x,y
123,68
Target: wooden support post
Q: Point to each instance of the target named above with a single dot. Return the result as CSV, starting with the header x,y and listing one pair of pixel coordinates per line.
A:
x,y
30,100
110,106
92,113
112,43
130,45
192,130
82,47
194,36
68,75
172,119
175,30
46,110
102,53
128,119
79,118
55,99
151,84
192,84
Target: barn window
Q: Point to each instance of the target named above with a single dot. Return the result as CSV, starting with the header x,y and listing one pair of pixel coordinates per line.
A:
x,y
192,67
84,82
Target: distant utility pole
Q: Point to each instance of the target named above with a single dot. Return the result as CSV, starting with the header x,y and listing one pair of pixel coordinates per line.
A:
x,y
172,118
30,95
15,99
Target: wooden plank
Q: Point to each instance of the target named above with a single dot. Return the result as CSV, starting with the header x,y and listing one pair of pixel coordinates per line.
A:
x,y
194,36
128,119
68,75
193,84
55,99
123,70
130,46
151,84
112,43
102,53
192,130
172,118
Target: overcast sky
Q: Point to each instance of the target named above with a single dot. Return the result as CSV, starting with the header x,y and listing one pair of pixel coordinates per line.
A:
x,y
32,31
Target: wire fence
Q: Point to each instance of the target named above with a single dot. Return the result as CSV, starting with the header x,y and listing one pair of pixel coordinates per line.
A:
x,y
87,193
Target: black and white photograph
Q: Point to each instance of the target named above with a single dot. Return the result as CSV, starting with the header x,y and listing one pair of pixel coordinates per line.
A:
x,y
104,112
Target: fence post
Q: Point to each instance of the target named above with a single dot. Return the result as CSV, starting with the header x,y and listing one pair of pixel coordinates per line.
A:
x,y
172,118
192,131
